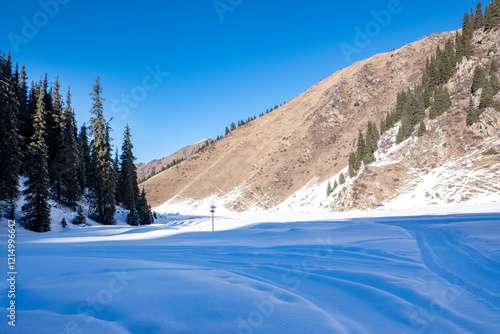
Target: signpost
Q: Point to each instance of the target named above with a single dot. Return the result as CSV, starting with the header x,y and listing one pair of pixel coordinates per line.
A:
x,y
212,210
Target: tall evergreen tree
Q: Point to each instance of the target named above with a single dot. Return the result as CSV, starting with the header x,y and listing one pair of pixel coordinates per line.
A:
x,y
9,145
54,137
85,173
127,181
352,164
421,129
144,214
103,204
470,113
479,80
36,209
479,19
459,47
329,189
360,151
341,178
69,156
442,102
493,67
486,96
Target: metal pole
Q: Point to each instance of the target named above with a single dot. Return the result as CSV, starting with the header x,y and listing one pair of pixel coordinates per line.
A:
x,y
212,210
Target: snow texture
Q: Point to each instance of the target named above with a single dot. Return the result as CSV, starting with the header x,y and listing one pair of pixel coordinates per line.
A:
x,y
411,271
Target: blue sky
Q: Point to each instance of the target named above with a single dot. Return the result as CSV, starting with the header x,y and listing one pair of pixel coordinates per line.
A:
x,y
226,59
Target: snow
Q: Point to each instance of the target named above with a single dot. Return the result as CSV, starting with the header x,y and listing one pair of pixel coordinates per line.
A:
x,y
433,270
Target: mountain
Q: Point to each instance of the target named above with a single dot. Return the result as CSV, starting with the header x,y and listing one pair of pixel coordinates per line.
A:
x,y
146,170
284,160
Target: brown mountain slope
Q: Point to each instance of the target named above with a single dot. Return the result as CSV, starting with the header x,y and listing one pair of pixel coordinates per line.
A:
x,y
270,158
150,168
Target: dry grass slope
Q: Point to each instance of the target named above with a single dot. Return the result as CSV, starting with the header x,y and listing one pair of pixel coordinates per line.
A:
x,y
311,136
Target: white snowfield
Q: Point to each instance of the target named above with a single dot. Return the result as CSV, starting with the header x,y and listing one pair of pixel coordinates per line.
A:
x,y
422,271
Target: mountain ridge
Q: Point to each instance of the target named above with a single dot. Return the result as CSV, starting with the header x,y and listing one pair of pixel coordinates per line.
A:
x,y
265,162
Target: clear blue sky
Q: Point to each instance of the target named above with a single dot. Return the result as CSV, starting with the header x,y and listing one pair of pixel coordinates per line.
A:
x,y
223,66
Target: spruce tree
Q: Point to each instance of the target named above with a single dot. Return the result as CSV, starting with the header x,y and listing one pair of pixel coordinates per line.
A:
x,y
360,151
400,136
84,177
329,189
421,129
479,19
133,217
335,185
470,113
352,164
9,145
144,213
479,80
341,178
127,180
495,84
459,48
80,217
442,102
69,156
233,126
36,210
486,96
103,185
54,138
493,67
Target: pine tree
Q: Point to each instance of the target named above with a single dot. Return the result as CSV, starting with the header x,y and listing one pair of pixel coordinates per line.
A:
x,y
352,164
9,145
470,113
335,185
360,151
493,67
103,186
479,80
341,178
127,180
400,136
233,126
486,96
36,209
84,166
79,218
144,214
64,223
479,19
69,156
492,15
54,136
459,47
133,217
329,189
495,84
467,31
421,129
442,102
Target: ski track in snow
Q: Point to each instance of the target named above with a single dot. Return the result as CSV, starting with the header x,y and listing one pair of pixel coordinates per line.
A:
x,y
272,274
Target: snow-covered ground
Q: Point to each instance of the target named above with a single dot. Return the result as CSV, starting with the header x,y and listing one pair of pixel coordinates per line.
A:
x,y
414,271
